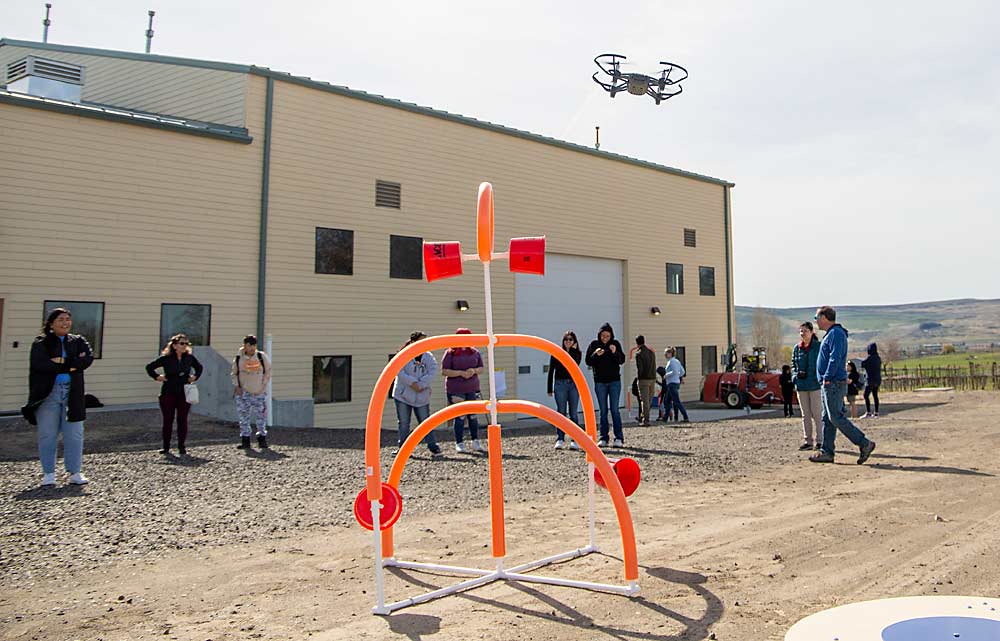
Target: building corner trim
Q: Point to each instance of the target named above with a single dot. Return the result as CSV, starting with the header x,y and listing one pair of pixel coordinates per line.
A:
x,y
729,272
264,197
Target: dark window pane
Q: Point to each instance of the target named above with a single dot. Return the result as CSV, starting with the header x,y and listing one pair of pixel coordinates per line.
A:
x,y
681,356
709,359
334,251
675,278
331,379
88,321
193,320
706,281
406,257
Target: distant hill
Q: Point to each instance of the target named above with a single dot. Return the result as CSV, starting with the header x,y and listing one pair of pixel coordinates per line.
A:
x,y
951,321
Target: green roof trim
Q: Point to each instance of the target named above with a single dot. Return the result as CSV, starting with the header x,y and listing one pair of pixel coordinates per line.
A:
x,y
114,114
368,97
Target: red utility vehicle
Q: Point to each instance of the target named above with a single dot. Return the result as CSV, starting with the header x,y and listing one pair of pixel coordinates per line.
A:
x,y
751,386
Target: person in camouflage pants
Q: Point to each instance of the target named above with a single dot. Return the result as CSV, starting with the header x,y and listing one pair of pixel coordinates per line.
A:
x,y
250,374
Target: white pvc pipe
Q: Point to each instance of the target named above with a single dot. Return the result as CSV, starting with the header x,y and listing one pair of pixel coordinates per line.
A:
x,y
454,569
379,579
429,596
587,585
572,554
490,345
590,500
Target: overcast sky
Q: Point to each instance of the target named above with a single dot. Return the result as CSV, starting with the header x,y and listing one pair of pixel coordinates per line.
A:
x,y
863,137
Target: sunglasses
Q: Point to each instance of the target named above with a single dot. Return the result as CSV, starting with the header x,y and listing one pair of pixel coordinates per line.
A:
x,y
181,343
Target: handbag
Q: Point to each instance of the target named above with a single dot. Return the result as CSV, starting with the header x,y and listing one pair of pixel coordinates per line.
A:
x,y
191,393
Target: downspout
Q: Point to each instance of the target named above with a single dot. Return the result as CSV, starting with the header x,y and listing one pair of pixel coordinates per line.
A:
x,y
264,187
729,278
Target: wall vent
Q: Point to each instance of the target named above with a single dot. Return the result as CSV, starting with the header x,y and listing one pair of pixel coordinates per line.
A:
x,y
388,194
45,78
689,238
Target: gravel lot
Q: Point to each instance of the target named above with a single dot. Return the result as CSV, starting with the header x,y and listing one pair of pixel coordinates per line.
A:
x,y
140,503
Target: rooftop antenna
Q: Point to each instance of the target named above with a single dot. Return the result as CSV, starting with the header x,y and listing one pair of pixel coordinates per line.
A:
x,y
149,31
597,138
46,22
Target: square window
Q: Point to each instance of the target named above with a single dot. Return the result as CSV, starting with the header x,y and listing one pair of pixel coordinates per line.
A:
x,y
334,251
88,320
193,320
331,379
406,257
706,281
682,356
675,278
690,238
709,359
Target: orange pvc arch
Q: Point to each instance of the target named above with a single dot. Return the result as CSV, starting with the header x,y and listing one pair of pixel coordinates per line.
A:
x,y
484,223
556,419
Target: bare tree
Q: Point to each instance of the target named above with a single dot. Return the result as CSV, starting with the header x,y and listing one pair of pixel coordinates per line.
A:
x,y
766,331
890,350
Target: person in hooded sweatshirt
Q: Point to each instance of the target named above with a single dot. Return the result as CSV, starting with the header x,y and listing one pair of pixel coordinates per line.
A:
x,y
605,357
831,369
250,373
873,369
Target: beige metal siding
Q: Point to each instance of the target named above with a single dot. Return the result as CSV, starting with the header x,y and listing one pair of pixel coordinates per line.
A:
x,y
129,216
328,151
188,92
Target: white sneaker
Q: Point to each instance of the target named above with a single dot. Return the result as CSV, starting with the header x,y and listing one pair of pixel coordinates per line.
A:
x,y
618,443
78,479
602,443
573,445
461,448
559,445
867,415
477,446
48,479
875,415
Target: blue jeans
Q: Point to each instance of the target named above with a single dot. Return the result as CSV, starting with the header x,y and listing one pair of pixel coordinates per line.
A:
x,y
567,400
51,417
607,397
403,413
674,399
460,420
835,418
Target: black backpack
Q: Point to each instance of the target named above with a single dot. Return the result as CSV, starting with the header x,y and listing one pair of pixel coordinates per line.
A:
x,y
237,361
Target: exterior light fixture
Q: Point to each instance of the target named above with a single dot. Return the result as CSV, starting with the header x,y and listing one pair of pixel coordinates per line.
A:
x,y
655,311
462,305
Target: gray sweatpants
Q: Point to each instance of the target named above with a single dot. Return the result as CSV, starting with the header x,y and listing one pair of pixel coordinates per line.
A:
x,y
811,404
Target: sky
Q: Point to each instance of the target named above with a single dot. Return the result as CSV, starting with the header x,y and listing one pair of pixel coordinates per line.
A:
x,y
863,137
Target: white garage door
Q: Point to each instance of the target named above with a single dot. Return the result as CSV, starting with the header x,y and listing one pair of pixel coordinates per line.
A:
x,y
577,293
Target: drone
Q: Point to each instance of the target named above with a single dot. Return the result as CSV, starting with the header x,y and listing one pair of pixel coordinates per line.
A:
x,y
667,85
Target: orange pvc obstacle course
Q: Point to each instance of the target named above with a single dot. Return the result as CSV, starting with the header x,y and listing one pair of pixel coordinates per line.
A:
x,y
525,255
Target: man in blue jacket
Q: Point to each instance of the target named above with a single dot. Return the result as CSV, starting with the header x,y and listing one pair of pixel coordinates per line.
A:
x,y
831,369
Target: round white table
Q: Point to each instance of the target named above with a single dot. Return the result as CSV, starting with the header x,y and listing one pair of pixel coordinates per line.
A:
x,y
918,618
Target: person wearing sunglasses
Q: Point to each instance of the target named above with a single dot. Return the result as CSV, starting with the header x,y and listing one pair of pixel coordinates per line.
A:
x,y
179,367
560,384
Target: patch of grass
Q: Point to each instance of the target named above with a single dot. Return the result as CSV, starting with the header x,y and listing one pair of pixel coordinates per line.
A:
x,y
981,359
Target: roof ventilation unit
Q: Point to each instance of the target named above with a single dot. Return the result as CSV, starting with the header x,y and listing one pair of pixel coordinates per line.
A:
x,y
45,78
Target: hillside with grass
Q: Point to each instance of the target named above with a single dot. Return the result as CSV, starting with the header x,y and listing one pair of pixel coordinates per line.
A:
x,y
968,321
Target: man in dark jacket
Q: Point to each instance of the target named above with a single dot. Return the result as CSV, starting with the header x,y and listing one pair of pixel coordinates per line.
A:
x,y
645,366
873,370
831,369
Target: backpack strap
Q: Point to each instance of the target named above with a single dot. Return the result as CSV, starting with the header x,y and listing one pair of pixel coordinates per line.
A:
x,y
261,360
236,361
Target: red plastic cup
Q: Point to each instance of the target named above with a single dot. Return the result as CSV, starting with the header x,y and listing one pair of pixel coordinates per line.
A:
x,y
442,260
392,508
527,255
627,471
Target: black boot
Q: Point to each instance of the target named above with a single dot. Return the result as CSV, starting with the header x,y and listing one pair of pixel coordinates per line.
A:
x,y
244,443
262,441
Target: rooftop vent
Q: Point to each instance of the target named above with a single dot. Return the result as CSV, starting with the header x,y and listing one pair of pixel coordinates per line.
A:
x,y
45,78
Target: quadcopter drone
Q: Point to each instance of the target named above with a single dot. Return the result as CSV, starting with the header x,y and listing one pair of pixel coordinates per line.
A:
x,y
659,88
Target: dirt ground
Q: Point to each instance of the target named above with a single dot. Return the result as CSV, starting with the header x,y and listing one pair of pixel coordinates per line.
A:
x,y
739,537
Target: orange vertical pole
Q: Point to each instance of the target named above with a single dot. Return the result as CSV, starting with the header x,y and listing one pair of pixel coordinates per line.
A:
x,y
496,492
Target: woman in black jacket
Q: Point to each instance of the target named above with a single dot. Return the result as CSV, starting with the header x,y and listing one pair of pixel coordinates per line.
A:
x,y
561,384
180,367
56,395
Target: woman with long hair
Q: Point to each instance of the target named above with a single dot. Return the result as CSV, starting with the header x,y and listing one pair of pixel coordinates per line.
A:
x,y
180,367
56,395
412,393
807,386
462,367
561,384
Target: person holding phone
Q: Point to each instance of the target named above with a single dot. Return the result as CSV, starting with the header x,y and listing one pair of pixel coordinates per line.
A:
x,y
605,357
561,384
